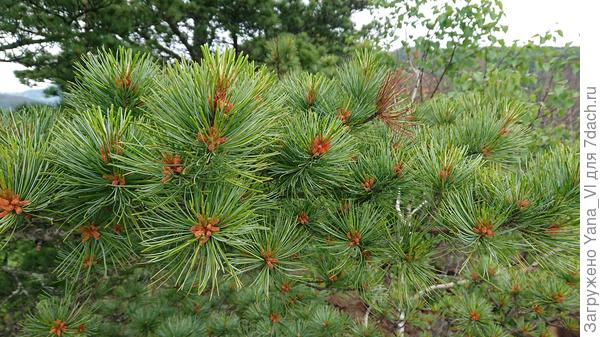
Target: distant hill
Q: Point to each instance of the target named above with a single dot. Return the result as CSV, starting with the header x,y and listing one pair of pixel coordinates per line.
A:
x,y
11,100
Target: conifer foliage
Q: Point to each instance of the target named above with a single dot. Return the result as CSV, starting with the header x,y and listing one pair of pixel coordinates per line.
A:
x,y
247,204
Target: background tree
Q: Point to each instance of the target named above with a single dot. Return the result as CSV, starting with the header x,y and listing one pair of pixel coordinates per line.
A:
x,y
48,36
323,31
462,49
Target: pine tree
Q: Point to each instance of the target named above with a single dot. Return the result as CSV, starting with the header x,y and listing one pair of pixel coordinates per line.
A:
x,y
216,199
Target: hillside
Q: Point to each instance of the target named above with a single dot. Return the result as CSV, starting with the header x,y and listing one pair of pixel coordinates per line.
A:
x,y
11,101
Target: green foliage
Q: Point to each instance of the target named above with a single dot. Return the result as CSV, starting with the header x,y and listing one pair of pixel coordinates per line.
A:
x,y
26,187
60,316
251,202
313,152
214,117
121,80
273,253
180,327
191,237
360,80
94,187
283,54
533,71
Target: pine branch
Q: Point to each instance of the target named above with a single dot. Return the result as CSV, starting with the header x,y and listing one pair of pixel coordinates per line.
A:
x,y
24,43
20,289
41,234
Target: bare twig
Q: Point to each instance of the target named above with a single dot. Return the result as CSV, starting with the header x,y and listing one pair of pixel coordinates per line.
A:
x,y
439,286
542,100
419,82
448,65
401,324
402,315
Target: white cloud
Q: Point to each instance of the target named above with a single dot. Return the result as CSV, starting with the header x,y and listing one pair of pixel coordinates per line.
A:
x,y
9,82
528,17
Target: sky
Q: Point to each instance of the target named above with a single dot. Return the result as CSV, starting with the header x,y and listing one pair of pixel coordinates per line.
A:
x,y
524,19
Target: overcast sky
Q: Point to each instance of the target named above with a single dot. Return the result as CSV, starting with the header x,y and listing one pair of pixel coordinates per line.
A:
x,y
524,18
